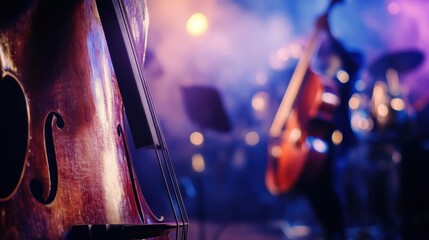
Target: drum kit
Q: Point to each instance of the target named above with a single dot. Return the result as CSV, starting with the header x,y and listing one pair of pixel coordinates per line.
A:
x,y
382,109
382,118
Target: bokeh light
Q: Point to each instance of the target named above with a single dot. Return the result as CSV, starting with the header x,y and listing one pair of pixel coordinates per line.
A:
x,y
251,138
397,104
196,138
197,24
198,163
343,76
393,8
354,101
259,101
337,137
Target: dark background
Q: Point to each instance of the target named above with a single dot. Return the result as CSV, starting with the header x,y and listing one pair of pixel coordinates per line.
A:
x,y
239,57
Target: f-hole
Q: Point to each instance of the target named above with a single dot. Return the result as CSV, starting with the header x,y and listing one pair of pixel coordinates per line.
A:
x,y
14,132
36,186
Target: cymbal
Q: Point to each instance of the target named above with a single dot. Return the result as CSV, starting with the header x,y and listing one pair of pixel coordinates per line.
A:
x,y
402,61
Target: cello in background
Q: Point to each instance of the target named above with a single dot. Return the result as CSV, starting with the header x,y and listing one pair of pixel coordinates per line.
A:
x,y
298,145
71,82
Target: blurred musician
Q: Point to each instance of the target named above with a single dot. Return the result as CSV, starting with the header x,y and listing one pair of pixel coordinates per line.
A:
x,y
340,65
307,164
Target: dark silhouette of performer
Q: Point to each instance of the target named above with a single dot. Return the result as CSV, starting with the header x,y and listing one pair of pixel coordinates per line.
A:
x,y
321,194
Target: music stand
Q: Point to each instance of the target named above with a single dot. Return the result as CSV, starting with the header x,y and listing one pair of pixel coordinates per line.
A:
x,y
204,108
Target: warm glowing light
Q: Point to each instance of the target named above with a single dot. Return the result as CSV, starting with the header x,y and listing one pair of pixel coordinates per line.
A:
x,y
251,138
361,123
343,76
295,50
197,24
198,163
354,101
393,8
330,98
382,110
276,151
5,59
283,54
196,138
393,84
295,134
397,104
337,137
259,101
261,78
366,124
379,91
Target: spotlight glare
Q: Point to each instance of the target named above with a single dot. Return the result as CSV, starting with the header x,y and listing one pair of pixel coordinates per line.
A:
x,y
197,24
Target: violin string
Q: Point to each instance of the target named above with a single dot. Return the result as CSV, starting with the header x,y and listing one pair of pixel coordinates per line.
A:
x,y
168,160
165,155
134,61
163,158
184,215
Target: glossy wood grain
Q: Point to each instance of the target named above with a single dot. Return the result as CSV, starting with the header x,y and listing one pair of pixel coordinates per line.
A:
x,y
76,169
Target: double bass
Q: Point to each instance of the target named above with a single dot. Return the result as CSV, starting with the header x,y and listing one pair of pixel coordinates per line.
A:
x,y
71,84
299,137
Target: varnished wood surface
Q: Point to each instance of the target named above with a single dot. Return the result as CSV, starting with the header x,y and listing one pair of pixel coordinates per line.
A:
x,y
296,160
57,53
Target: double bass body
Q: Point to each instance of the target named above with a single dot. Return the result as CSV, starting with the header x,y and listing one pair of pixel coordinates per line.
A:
x,y
297,156
301,130
65,162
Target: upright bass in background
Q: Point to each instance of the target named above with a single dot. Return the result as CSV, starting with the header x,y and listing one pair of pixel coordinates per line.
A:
x,y
71,85
313,116
298,146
